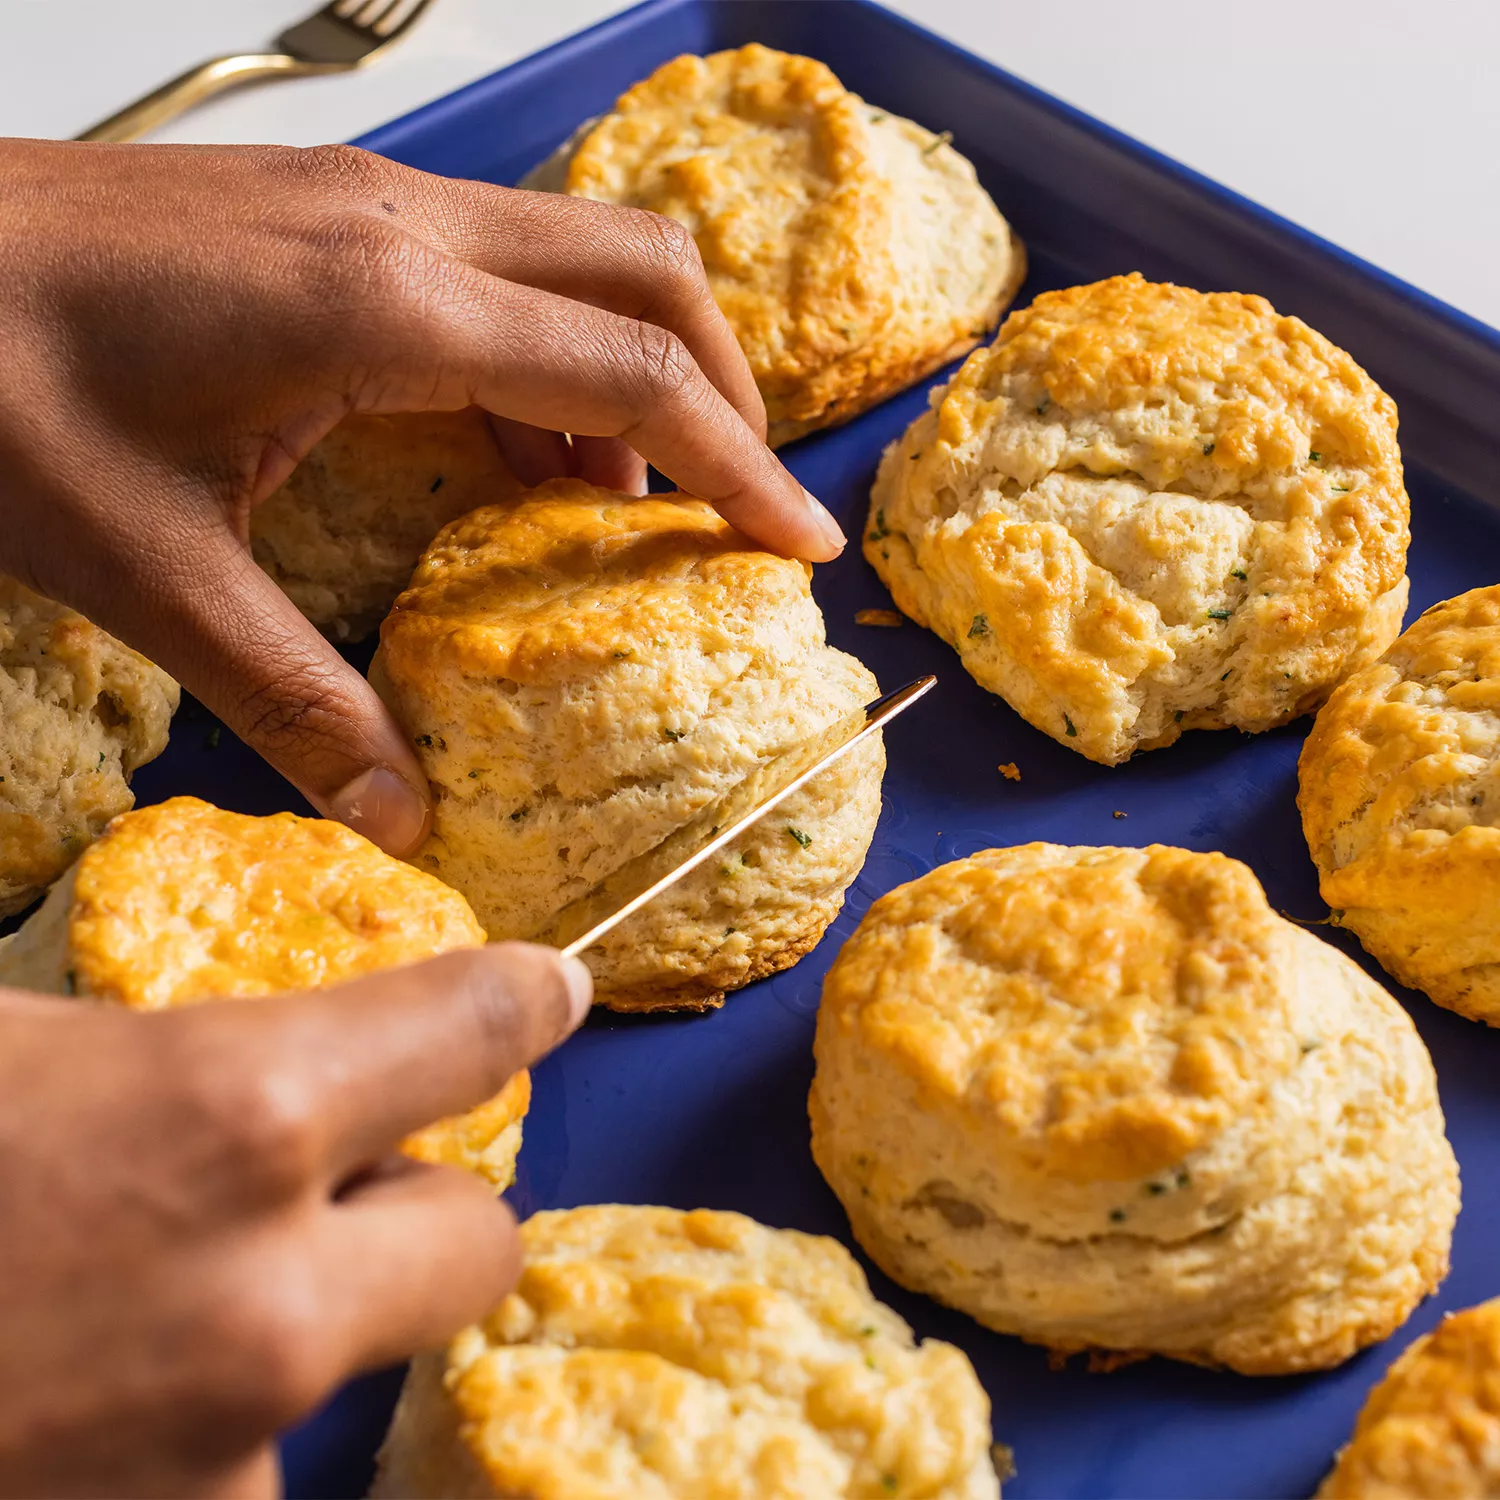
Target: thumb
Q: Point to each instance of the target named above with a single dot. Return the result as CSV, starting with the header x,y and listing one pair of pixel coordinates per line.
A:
x,y
240,646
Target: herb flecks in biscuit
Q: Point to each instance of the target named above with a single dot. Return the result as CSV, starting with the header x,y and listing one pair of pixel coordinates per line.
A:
x,y
79,712
613,665
342,535
648,1351
1400,799
852,251
1107,1099
1170,509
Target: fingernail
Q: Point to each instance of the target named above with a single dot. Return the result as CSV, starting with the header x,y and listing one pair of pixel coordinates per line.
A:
x,y
823,520
384,807
580,985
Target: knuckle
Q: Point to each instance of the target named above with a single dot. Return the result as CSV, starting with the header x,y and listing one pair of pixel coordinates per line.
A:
x,y
347,167
258,1119
664,367
352,257
292,715
285,1361
675,252
361,274
275,1131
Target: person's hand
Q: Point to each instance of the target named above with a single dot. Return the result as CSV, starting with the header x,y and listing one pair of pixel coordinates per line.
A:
x,y
180,325
204,1230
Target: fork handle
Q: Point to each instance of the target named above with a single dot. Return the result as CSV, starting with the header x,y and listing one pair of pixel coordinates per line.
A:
x,y
196,85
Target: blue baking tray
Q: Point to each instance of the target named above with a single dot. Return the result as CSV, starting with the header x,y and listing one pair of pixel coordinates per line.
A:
x,y
711,1111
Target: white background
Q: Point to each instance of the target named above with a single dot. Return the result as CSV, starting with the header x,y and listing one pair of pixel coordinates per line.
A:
x,y
1373,122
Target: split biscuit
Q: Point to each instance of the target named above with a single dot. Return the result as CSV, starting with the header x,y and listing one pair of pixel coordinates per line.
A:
x,y
582,674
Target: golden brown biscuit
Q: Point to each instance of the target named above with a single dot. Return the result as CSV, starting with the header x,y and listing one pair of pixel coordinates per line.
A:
x,y
852,251
1145,509
1431,1429
342,535
79,712
648,1352
183,902
1400,798
1107,1099
584,672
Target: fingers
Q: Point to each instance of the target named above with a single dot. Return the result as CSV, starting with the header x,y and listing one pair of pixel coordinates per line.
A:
x,y
536,455
378,1058
278,684
216,622
541,359
554,313
609,463
623,260
415,1253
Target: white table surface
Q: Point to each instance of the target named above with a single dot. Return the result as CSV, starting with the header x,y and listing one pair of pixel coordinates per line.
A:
x,y
1373,122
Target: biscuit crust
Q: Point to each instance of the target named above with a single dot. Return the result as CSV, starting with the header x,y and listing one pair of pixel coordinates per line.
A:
x,y
584,672
650,1352
1431,1429
852,251
79,712
1107,1099
342,535
1145,509
1399,789
183,902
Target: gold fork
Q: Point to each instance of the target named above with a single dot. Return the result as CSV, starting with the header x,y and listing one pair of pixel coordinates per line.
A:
x,y
343,35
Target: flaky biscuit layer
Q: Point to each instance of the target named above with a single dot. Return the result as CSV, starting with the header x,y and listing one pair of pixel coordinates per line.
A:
x,y
79,712
1145,509
852,251
665,1355
582,674
1400,798
342,535
183,902
1106,1098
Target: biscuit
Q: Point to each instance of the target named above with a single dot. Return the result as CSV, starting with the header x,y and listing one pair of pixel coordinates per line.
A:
x,y
183,902
649,1352
79,712
342,535
1431,1429
582,673
1106,1099
1399,787
1145,509
852,251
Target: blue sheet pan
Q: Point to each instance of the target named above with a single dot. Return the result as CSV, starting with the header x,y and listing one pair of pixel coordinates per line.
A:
x,y
710,1111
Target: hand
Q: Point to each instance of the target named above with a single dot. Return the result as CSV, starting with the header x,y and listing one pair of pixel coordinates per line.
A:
x,y
205,1231
182,324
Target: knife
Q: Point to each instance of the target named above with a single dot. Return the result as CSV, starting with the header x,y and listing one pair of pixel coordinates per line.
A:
x,y
581,923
